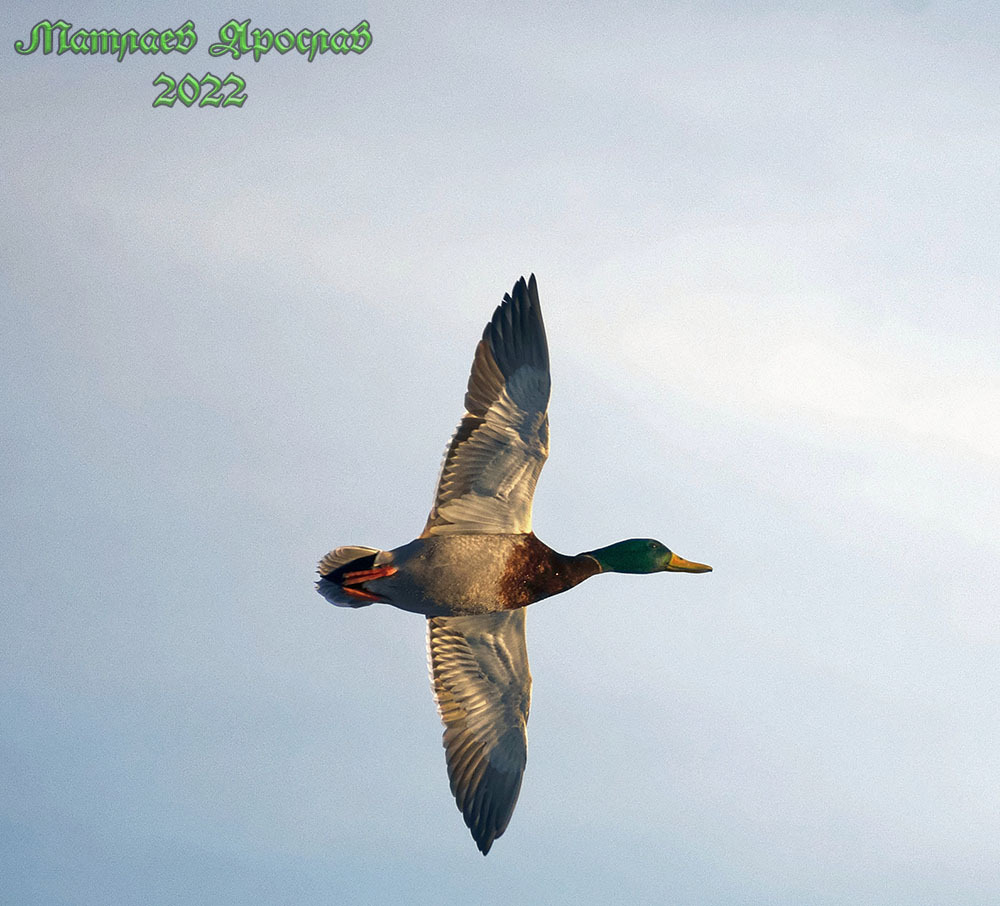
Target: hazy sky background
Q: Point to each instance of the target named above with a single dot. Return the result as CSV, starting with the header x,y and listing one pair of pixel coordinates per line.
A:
x,y
766,244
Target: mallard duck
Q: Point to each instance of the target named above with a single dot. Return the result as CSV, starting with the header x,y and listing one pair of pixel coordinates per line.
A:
x,y
477,565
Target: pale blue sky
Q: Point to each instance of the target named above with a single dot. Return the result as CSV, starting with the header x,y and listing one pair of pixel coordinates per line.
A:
x,y
766,246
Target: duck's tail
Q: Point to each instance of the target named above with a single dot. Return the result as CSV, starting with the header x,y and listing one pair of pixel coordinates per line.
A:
x,y
333,568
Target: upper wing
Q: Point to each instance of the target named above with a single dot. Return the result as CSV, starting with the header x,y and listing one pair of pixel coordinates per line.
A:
x,y
479,668
491,466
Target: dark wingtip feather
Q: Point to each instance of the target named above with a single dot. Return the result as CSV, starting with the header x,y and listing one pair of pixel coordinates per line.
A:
x,y
516,332
489,812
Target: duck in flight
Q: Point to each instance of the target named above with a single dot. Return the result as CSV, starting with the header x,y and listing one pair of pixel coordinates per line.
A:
x,y
477,565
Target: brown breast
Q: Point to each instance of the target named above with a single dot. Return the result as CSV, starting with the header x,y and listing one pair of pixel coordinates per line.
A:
x,y
535,571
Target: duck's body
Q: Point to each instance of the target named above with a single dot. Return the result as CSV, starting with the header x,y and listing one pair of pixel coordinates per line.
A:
x,y
455,575
477,565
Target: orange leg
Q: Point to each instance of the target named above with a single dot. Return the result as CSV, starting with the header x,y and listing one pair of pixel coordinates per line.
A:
x,y
358,593
367,575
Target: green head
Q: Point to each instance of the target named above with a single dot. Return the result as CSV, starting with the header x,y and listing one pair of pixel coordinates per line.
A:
x,y
643,555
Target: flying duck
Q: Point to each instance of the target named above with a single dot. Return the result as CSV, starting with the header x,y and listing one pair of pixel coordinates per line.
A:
x,y
477,565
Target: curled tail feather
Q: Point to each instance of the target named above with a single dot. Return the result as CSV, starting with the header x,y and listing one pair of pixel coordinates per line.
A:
x,y
332,568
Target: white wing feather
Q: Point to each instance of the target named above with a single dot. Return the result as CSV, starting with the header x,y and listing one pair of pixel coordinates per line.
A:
x,y
479,671
492,464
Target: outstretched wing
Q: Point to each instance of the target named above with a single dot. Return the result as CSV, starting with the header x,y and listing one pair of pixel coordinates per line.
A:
x,y
479,669
491,466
